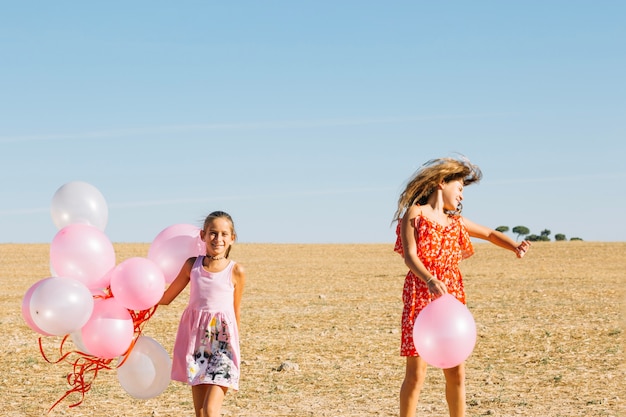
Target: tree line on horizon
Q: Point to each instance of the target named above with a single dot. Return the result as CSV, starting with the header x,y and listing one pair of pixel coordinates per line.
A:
x,y
544,235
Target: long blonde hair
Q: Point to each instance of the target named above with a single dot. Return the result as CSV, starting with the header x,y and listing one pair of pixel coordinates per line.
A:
x,y
426,179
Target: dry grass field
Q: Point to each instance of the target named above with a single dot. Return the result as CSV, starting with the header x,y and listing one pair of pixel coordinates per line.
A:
x,y
550,335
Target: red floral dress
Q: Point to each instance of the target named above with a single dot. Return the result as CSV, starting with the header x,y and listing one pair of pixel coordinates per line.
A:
x,y
441,249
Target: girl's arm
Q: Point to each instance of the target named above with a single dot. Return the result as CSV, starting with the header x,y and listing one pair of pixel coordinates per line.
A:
x,y
179,283
497,238
411,260
239,281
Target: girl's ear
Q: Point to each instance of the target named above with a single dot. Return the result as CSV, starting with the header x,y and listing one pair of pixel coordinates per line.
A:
x,y
202,234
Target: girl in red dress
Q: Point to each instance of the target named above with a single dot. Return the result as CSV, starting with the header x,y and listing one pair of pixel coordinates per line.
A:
x,y
433,238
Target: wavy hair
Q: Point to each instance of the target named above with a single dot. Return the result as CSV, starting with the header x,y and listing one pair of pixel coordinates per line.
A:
x,y
426,179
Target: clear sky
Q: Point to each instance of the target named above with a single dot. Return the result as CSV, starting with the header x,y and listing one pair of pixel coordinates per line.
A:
x,y
304,119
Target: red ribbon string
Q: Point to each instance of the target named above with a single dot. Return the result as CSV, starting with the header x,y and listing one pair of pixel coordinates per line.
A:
x,y
84,370
85,367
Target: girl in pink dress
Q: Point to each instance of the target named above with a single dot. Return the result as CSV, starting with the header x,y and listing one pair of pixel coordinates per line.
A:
x,y
206,351
433,238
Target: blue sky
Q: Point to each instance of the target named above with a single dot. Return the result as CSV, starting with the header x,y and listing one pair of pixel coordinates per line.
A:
x,y
304,119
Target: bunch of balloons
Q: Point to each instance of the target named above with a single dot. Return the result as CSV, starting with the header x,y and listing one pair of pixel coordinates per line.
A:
x,y
444,332
102,305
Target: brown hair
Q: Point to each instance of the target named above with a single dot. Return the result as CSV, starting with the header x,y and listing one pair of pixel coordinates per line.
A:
x,y
215,215
426,179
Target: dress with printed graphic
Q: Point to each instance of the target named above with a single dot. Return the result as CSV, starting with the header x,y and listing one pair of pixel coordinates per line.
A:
x,y
206,350
441,249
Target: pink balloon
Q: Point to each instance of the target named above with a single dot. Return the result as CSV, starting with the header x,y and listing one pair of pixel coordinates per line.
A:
x,y
109,331
77,336
26,308
176,230
137,283
60,306
173,246
82,252
444,332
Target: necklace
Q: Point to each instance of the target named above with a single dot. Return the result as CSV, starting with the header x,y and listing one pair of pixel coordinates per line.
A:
x,y
215,258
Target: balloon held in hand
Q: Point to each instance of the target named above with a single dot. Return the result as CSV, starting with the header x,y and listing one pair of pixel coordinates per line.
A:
x,y
444,332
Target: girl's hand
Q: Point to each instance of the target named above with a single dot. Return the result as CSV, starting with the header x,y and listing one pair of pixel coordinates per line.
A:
x,y
521,250
436,287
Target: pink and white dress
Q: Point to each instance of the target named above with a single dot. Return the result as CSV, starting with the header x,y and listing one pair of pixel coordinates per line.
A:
x,y
206,350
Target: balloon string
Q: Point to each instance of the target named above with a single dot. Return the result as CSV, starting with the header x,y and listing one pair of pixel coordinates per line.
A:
x,y
86,367
82,367
141,317
63,355
139,320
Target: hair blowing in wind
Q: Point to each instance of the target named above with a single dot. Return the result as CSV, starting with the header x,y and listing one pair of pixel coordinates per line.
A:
x,y
429,175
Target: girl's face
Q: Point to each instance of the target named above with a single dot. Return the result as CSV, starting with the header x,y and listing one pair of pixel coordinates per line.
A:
x,y
452,194
218,236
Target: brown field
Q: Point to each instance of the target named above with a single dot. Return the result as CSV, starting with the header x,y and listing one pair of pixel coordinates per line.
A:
x,y
550,335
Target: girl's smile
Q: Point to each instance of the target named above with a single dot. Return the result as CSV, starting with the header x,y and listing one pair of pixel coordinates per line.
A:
x,y
218,236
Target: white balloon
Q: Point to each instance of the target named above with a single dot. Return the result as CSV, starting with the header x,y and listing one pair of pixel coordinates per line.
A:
x,y
61,306
79,202
77,338
146,371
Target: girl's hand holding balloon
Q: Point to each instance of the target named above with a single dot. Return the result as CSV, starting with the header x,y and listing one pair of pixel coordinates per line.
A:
x,y
436,287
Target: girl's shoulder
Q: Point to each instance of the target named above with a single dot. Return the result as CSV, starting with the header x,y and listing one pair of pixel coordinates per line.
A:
x,y
238,275
413,211
190,262
238,268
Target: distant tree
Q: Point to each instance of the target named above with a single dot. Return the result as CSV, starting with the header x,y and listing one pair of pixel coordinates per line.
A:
x,y
559,237
521,231
545,232
502,229
575,238
535,238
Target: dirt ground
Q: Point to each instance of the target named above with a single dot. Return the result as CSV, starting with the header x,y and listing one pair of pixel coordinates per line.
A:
x,y
550,335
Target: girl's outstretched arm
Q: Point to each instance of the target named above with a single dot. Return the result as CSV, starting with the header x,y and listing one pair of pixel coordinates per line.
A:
x,y
179,283
239,281
497,238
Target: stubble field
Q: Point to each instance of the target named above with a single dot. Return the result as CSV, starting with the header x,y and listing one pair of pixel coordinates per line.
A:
x,y
320,335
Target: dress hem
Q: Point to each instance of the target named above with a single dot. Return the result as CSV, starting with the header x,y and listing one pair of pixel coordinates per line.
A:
x,y
207,383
